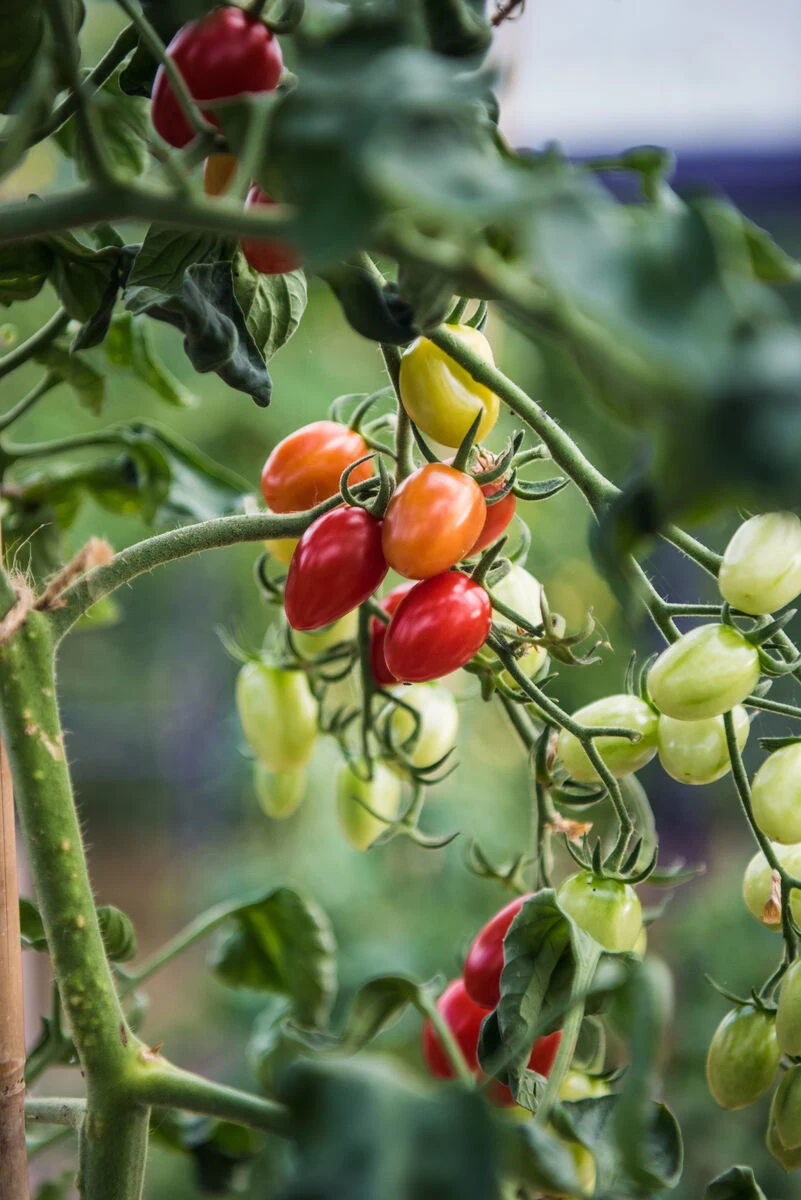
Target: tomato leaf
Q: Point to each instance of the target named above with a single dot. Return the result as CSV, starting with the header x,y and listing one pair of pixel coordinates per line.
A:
x,y
24,268
23,26
123,126
270,1048
592,1122
88,384
129,344
377,1005
82,270
543,1161
220,1151
362,1130
738,1183
31,927
272,304
281,943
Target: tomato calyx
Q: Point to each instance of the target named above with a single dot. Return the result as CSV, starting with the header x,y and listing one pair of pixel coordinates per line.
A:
x,y
593,860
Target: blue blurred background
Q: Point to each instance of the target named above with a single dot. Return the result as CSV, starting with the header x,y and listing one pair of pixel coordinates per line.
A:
x,y
163,784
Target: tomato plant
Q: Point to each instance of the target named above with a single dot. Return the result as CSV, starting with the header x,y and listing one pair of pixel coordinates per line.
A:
x,y
336,565
743,1057
432,521
437,627
227,53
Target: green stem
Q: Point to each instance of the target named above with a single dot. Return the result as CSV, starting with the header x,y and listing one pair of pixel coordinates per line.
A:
x,y
113,1149
52,1110
77,441
45,385
570,1032
119,49
449,1044
404,441
186,937
368,686
542,814
162,1085
774,706
37,342
60,13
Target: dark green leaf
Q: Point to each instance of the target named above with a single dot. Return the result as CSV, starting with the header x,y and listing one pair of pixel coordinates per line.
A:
x,y
363,1131
93,331
457,28
377,1006
164,258
81,271
738,1183
24,268
272,304
544,1162
269,1049
281,943
119,935
23,26
592,1122
31,927
374,311
85,380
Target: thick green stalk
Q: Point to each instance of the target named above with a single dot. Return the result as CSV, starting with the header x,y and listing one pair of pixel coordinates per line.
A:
x,y
162,1085
113,1149
36,342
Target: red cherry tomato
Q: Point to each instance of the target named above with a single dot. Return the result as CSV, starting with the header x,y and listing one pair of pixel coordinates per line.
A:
x,y
337,564
464,1018
266,256
378,631
498,516
432,521
305,468
227,53
484,962
437,627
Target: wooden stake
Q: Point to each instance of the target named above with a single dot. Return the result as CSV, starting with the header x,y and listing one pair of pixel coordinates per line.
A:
x,y
13,1157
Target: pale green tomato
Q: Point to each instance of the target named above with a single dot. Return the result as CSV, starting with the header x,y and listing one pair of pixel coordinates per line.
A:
x,y
621,756
641,945
439,723
776,795
441,397
743,1057
585,1170
788,1014
281,794
382,794
520,591
606,909
313,643
761,568
579,1086
786,1109
705,673
696,751
757,883
789,1159
278,715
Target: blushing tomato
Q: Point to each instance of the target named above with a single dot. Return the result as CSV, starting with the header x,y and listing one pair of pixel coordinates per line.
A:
x,y
337,564
705,673
464,1019
621,756
437,627
280,794
761,568
788,1013
606,909
278,715
267,255
757,883
484,962
436,732
432,521
378,632
218,173
382,794
227,53
696,752
440,396
776,795
743,1057
305,468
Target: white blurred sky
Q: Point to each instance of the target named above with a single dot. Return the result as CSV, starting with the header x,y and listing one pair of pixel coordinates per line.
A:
x,y
602,74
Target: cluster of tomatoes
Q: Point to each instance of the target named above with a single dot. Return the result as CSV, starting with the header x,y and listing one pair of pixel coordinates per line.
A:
x,y
227,54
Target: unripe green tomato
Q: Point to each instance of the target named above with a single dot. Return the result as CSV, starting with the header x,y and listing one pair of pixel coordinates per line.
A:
x,y
585,1170
311,644
705,673
788,1015
786,1109
758,879
606,909
743,1057
789,1159
621,756
520,591
441,397
281,794
439,723
761,568
278,715
696,752
382,793
577,1085
641,945
776,795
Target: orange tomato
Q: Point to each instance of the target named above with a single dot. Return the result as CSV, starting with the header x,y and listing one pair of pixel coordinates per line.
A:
x,y
432,520
218,172
305,468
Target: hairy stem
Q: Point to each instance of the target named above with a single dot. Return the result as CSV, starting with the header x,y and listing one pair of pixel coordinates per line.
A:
x,y
35,343
53,1110
162,1085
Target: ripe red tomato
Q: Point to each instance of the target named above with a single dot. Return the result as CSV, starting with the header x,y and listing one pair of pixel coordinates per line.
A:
x,y
464,1018
227,53
266,256
432,520
378,632
337,564
497,517
484,962
438,627
305,468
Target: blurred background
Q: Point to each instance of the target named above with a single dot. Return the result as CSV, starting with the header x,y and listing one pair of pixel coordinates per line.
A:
x,y
163,784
